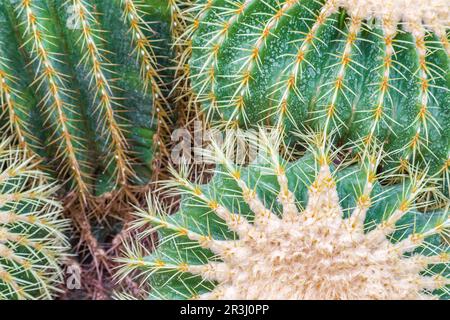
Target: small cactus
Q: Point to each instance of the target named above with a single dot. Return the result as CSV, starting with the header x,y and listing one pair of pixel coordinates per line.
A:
x,y
32,240
364,69
82,85
304,229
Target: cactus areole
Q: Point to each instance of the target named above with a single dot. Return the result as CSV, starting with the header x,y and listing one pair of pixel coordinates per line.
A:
x,y
362,69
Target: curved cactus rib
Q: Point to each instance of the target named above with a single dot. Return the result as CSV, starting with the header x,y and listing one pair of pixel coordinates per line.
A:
x,y
143,47
278,230
57,100
424,120
292,72
81,72
122,41
338,88
89,45
145,50
378,115
10,100
339,66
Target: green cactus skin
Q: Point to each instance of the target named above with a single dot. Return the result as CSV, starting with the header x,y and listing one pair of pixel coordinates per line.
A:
x,y
308,63
82,85
32,240
279,230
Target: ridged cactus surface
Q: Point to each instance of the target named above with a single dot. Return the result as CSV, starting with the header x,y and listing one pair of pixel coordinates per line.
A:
x,y
363,69
82,86
32,240
307,229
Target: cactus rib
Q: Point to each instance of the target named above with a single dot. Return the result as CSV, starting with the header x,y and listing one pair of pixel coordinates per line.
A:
x,y
57,98
75,75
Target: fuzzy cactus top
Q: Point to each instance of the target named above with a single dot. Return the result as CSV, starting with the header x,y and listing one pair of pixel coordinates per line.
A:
x,y
296,230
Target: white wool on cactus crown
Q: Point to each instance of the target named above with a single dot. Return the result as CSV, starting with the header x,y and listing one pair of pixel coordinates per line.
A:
x,y
414,14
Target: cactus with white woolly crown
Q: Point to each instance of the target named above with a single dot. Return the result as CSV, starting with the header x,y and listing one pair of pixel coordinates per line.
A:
x,y
32,240
82,85
320,227
364,69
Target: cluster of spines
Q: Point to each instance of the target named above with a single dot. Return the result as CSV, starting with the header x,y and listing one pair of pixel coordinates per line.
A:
x,y
205,76
181,94
13,106
426,76
32,231
189,230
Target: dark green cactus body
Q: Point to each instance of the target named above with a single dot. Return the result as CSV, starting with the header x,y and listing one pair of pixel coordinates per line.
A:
x,y
33,244
82,79
301,65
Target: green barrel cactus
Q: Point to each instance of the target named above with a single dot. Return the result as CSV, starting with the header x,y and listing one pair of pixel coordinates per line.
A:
x,y
82,85
360,69
32,240
313,228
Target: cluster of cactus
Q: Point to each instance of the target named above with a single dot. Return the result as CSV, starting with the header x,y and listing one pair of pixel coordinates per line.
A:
x,y
82,85
335,202
363,70
32,231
